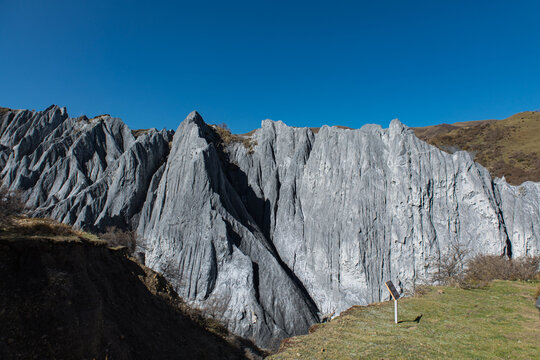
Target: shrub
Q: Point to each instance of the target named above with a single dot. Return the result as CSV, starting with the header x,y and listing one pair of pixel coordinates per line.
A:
x,y
491,267
421,290
118,237
450,266
454,268
10,205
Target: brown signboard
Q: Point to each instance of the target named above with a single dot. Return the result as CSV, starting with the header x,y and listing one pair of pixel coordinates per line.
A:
x,y
392,290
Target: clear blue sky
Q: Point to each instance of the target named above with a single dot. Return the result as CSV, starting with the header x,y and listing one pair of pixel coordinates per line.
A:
x,y
307,63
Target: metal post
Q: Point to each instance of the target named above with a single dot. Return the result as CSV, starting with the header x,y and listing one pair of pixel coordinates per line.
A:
x,y
395,311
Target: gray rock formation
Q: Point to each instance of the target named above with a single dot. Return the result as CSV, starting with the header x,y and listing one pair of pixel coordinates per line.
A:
x,y
88,173
198,233
268,231
520,209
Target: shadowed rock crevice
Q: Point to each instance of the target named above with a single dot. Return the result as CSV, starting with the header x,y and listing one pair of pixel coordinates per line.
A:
x,y
497,198
260,208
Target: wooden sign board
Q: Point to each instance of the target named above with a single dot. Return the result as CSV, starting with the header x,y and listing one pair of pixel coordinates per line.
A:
x,y
392,290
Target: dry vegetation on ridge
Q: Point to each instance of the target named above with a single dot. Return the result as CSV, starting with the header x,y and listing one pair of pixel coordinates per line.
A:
x,y
509,147
226,137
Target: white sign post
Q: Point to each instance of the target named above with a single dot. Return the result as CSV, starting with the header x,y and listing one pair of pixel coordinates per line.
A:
x,y
395,311
395,296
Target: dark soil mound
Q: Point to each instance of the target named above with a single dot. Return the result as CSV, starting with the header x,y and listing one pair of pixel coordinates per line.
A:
x,y
75,300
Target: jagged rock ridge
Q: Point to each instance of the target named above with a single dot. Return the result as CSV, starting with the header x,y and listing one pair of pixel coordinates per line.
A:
x,y
269,236
89,173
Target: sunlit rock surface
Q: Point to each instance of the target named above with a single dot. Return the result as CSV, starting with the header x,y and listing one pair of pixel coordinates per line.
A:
x,y
89,173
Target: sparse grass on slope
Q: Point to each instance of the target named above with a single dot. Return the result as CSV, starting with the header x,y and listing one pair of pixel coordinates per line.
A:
x,y
496,322
22,227
509,147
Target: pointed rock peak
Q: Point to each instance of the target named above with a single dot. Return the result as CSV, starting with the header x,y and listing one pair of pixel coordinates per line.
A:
x,y
194,116
273,124
396,122
52,107
397,126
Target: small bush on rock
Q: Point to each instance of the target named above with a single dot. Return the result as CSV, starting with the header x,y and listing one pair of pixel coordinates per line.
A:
x,y
10,205
118,237
450,266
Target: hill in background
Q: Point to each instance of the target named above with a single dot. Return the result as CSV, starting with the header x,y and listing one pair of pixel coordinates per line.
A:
x,y
509,147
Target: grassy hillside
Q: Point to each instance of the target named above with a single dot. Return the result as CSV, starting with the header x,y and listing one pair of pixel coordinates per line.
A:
x,y
496,322
509,147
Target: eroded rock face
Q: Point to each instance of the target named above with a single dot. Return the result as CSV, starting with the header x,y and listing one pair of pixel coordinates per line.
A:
x,y
198,233
88,173
520,209
268,236
350,209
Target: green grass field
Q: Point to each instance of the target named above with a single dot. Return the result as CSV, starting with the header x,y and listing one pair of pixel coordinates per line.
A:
x,y
499,321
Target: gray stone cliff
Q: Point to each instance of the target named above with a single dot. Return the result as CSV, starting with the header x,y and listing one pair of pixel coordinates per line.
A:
x,y
269,233
88,173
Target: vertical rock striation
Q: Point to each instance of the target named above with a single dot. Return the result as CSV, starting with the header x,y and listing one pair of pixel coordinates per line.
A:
x,y
270,235
198,233
88,173
349,209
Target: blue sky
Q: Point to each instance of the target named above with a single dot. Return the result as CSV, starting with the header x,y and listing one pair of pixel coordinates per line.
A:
x,y
307,63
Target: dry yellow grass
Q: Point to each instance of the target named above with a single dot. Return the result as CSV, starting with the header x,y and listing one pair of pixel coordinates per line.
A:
x,y
226,137
509,147
139,132
43,228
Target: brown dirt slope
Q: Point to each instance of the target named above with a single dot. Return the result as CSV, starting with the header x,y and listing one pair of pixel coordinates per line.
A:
x,y
509,147
71,298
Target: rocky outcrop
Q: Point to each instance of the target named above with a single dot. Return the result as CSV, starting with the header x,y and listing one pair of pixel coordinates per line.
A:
x,y
270,232
520,210
348,210
88,173
198,233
